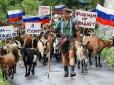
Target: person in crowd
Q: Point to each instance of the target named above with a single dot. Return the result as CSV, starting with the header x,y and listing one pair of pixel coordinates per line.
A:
x,y
67,27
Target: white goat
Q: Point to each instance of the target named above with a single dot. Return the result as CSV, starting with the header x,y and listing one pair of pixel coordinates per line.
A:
x,y
43,50
81,52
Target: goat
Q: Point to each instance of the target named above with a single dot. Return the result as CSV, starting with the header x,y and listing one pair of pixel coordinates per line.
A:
x,y
7,63
82,58
43,49
9,48
17,44
29,58
57,52
26,40
95,46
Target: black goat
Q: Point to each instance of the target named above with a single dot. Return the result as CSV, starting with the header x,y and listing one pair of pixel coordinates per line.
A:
x,y
29,58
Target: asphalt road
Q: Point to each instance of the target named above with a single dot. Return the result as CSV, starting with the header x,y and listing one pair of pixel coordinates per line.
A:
x,y
95,76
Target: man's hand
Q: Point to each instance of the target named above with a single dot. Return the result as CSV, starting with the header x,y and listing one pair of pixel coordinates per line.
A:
x,y
52,30
51,22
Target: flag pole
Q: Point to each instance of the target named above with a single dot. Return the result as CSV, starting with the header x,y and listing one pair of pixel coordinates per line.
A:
x,y
51,12
49,60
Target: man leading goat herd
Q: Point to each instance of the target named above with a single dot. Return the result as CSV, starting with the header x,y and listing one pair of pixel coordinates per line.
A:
x,y
66,29
66,38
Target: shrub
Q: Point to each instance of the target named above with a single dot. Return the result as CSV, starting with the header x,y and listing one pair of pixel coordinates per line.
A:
x,y
108,55
3,81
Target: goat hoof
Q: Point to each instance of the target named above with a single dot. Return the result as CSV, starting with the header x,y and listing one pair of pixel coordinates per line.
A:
x,y
11,77
32,72
44,64
9,74
83,72
26,75
78,67
90,63
100,65
86,71
6,78
14,71
96,65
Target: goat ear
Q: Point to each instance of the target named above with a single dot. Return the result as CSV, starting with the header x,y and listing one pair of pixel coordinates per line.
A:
x,y
1,47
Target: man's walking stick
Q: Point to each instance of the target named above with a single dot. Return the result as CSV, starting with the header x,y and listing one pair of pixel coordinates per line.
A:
x,y
49,57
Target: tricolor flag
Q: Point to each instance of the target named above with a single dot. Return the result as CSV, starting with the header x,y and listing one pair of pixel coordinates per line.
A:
x,y
15,15
105,16
41,19
59,8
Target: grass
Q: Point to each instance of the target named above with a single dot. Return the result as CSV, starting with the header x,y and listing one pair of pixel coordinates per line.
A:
x,y
3,81
2,43
108,55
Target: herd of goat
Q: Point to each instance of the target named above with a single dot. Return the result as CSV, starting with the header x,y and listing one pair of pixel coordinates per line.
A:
x,y
30,48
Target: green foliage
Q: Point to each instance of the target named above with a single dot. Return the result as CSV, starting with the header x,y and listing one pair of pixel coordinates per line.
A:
x,y
108,55
3,16
31,6
49,2
68,3
3,81
2,43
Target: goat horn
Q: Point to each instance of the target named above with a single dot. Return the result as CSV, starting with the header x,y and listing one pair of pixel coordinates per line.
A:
x,y
112,37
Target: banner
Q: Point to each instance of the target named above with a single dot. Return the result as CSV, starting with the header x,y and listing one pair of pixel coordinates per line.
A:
x,y
15,15
105,16
7,32
85,19
44,10
32,28
38,19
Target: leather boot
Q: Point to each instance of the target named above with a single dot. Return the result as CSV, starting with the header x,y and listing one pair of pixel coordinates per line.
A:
x,y
66,74
72,73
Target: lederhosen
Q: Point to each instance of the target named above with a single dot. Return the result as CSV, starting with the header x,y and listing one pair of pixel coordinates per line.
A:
x,y
70,45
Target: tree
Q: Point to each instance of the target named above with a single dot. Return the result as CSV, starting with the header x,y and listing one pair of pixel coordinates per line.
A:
x,y
31,6
6,5
50,2
3,5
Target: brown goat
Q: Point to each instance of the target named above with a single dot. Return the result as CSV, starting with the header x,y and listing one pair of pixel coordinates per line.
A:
x,y
9,48
7,63
95,46
26,40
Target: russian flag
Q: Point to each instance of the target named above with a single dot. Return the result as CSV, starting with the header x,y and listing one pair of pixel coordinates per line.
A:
x,y
105,16
59,8
41,19
15,15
